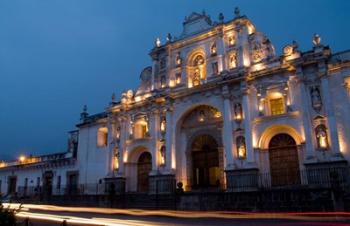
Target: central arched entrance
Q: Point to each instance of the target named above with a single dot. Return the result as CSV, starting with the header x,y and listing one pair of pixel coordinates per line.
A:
x,y
205,162
144,166
284,162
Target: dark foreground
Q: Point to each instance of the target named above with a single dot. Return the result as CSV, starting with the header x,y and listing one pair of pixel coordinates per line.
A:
x,y
43,215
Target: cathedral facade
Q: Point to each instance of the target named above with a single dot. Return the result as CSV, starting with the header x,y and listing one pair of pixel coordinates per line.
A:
x,y
217,110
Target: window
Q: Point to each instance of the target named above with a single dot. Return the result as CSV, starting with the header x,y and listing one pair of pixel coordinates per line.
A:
x,y
140,129
277,106
215,68
102,137
58,183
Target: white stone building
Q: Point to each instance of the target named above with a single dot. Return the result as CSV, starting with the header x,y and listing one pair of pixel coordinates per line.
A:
x,y
217,110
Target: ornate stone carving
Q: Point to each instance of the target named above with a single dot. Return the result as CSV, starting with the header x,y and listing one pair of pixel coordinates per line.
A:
x,y
316,98
316,40
321,136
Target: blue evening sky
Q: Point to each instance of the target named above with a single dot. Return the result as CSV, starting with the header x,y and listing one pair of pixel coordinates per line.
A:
x,y
56,56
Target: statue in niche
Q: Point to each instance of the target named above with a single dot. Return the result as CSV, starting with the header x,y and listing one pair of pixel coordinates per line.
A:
x,y
238,111
321,136
178,59
163,155
241,147
233,60
117,133
316,98
196,77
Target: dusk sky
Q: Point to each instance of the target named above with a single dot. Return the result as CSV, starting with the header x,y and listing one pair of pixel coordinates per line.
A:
x,y
56,56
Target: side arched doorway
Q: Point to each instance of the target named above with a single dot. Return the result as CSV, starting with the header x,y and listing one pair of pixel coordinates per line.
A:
x,y
284,162
144,166
205,162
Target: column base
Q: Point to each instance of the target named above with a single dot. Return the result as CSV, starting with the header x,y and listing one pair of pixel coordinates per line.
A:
x,y
162,184
115,185
242,179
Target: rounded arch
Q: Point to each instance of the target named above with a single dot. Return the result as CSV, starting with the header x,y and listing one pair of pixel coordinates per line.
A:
x,y
196,67
194,53
183,114
135,153
271,131
200,133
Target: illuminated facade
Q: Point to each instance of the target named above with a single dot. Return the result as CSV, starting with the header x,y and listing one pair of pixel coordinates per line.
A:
x,y
219,110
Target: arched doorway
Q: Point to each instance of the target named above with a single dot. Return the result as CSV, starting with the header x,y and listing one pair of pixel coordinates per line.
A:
x,y
144,166
284,163
205,162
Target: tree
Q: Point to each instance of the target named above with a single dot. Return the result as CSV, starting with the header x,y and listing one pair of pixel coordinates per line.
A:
x,y
7,216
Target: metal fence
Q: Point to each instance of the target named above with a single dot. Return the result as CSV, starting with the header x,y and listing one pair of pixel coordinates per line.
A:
x,y
335,178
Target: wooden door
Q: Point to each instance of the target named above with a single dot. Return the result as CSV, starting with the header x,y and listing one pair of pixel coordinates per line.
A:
x,y
144,166
284,162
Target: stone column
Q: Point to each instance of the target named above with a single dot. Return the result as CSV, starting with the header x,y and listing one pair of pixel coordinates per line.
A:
x,y
169,139
124,135
248,127
332,124
111,145
227,131
154,132
243,54
305,103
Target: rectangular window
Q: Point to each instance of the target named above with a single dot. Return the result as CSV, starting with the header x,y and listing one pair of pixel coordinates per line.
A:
x,y
215,68
102,137
58,182
277,106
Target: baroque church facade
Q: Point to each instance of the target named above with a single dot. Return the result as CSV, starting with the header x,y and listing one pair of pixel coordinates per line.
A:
x,y
217,110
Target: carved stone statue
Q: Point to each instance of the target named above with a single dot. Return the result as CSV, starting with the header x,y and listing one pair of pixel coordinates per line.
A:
x,y
221,18
238,111
316,40
316,98
321,136
178,59
163,155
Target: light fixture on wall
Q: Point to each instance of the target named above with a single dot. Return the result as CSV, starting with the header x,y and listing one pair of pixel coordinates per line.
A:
x,y
22,159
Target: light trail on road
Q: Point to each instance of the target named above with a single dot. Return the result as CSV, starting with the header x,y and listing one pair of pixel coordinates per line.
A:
x,y
28,210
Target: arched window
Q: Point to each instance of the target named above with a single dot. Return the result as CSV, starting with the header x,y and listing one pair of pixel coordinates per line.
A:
x,y
196,70
102,137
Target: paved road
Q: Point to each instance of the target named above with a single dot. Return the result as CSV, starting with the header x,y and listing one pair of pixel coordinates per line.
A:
x,y
43,215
